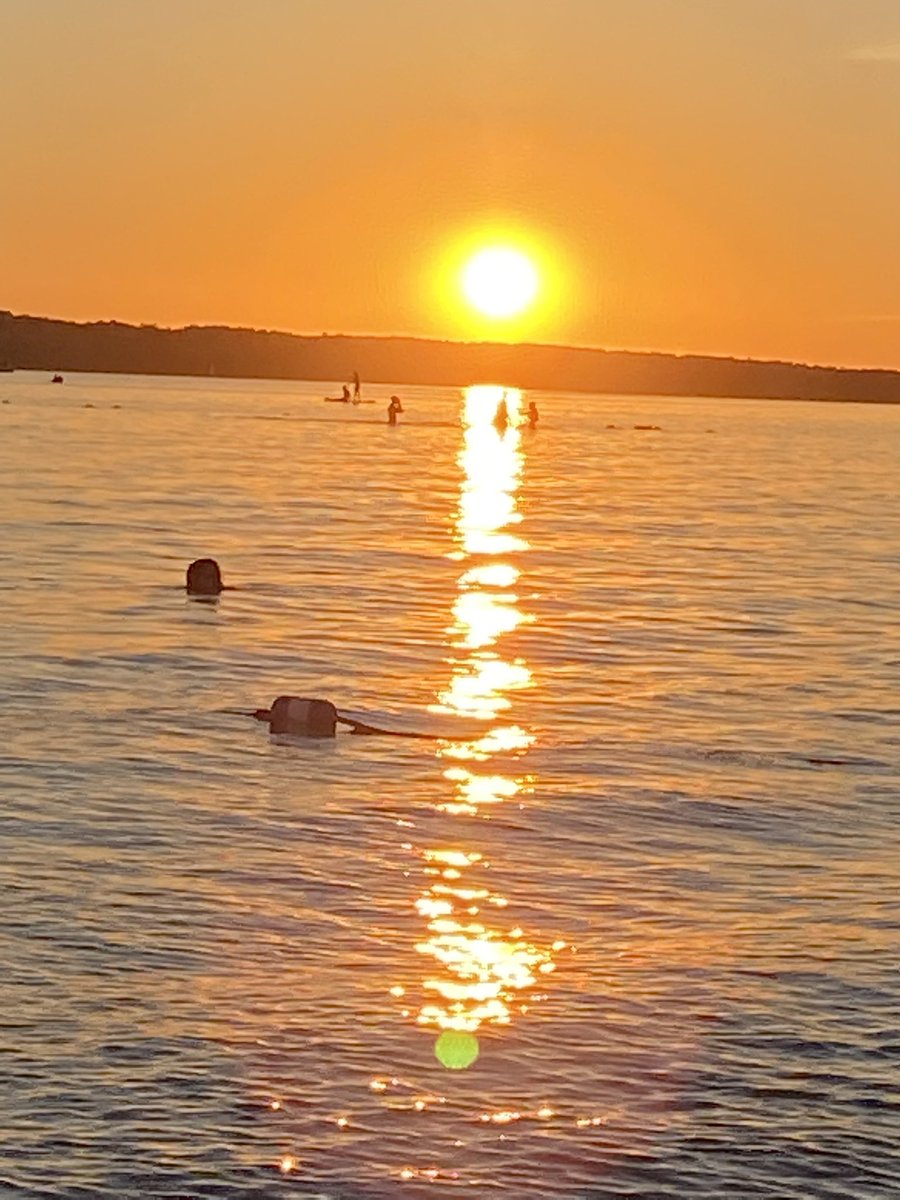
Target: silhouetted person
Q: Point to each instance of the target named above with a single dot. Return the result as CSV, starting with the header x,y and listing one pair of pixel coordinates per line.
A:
x,y
394,408
345,393
356,387
501,416
204,578
533,415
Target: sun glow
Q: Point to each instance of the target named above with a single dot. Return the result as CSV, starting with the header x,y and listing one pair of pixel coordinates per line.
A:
x,y
500,282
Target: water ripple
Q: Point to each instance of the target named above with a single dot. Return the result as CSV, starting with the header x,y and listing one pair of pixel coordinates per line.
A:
x,y
227,959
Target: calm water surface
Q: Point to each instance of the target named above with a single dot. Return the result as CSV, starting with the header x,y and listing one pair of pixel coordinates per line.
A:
x,y
657,889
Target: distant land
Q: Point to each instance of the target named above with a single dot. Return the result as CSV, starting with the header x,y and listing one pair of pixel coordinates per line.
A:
x,y
39,343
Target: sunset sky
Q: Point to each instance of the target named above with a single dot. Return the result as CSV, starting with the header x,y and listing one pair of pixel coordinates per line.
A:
x,y
718,176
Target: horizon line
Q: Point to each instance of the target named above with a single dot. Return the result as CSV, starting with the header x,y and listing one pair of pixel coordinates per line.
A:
x,y
459,341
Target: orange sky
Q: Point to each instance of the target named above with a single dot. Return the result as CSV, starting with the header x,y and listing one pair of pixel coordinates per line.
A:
x,y
699,175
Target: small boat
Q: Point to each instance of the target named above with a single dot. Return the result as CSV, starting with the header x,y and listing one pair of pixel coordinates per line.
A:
x,y
57,379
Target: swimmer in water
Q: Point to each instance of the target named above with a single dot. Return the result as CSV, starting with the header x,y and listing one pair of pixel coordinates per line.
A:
x,y
501,416
204,578
533,415
394,408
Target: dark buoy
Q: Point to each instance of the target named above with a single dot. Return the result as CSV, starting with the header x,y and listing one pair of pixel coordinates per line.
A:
x,y
300,717
204,578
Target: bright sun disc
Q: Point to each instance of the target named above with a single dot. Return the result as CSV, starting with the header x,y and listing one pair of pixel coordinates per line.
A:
x,y
500,282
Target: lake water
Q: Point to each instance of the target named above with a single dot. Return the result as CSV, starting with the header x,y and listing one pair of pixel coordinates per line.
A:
x,y
658,890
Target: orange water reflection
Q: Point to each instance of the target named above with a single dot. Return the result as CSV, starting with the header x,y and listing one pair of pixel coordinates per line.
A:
x,y
481,970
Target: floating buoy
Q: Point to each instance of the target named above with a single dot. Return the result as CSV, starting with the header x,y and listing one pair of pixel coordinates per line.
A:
x,y
203,578
305,717
300,717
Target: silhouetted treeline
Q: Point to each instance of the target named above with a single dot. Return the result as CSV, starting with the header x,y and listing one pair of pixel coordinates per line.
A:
x,y
42,344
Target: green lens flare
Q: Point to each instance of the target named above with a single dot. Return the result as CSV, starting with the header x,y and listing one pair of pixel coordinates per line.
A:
x,y
456,1050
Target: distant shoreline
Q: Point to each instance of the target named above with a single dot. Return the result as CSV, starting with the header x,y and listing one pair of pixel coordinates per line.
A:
x,y
393,383
114,348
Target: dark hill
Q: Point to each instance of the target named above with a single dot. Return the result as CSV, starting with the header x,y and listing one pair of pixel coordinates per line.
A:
x,y
43,344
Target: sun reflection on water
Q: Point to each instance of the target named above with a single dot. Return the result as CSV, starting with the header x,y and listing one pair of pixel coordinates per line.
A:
x,y
481,970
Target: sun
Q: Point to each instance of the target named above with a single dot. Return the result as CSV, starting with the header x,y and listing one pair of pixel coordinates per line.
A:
x,y
500,282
